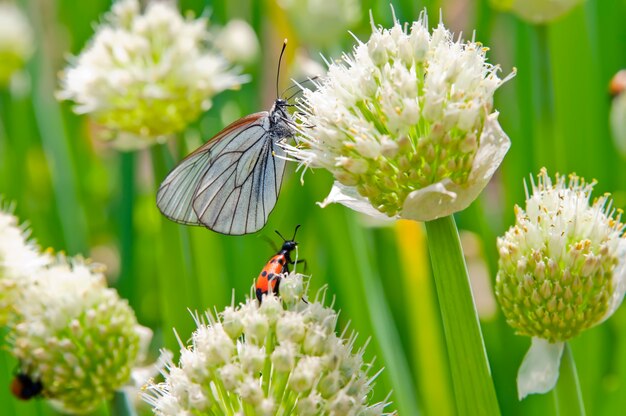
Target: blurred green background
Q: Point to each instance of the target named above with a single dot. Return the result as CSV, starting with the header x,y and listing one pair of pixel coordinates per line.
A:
x,y
81,196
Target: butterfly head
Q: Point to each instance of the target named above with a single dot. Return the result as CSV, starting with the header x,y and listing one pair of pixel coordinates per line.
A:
x,y
280,118
280,105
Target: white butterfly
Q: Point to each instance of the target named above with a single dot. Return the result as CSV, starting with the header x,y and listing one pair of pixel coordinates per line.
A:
x,y
231,183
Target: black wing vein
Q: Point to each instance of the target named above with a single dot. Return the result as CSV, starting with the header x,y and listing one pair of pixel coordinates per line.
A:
x,y
237,186
177,192
228,185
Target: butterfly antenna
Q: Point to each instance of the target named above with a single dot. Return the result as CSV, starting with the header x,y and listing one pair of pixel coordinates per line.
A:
x,y
280,58
294,232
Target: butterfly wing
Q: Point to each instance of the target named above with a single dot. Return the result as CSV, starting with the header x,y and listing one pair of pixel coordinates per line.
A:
x,y
240,188
176,194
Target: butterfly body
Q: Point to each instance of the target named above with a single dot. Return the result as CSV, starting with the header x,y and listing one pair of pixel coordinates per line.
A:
x,y
231,183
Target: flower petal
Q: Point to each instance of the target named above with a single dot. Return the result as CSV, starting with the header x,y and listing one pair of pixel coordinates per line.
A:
x,y
445,197
349,197
539,371
618,280
431,202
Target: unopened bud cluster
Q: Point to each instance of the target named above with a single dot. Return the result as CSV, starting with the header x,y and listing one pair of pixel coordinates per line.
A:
x,y
75,336
563,263
67,330
280,357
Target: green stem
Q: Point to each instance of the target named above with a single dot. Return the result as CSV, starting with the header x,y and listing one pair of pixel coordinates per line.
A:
x,y
121,406
567,395
224,398
125,282
279,387
266,378
473,386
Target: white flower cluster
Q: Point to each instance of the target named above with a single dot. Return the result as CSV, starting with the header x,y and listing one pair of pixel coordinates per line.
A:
x,y
147,74
404,123
16,41
19,260
562,269
282,357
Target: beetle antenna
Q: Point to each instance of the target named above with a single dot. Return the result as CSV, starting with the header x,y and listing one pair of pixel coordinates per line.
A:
x,y
280,58
280,235
294,232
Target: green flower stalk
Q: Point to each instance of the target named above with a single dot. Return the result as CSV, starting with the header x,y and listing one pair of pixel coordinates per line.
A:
x,y
16,41
405,123
562,270
75,336
20,259
537,11
282,357
146,75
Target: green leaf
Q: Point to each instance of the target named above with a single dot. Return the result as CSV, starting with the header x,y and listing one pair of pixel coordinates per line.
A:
x,y
425,330
56,145
385,328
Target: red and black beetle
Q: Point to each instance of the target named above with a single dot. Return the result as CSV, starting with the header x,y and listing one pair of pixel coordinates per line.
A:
x,y
24,387
269,278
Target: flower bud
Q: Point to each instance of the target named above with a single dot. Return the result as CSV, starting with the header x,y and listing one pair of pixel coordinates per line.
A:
x,y
583,245
618,111
252,358
562,269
